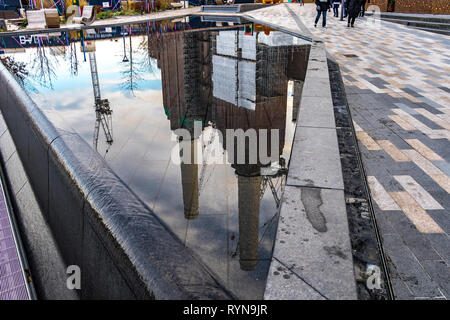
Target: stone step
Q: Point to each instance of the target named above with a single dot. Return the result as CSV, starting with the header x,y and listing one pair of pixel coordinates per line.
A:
x,y
420,24
414,17
440,31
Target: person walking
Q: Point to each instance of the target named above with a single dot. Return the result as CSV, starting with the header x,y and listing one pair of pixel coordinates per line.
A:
x,y
353,9
336,4
363,7
301,2
322,6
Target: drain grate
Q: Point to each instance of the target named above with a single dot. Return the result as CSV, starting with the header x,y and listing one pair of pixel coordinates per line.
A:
x,y
350,55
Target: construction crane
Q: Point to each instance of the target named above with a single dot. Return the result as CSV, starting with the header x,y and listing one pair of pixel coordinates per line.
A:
x,y
103,112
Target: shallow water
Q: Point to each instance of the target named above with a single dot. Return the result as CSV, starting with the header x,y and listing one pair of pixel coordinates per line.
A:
x,y
158,78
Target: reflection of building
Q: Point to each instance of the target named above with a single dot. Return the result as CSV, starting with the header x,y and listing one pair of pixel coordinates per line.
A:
x,y
184,60
249,80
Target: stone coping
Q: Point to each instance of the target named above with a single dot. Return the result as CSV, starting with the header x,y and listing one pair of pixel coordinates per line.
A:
x,y
312,257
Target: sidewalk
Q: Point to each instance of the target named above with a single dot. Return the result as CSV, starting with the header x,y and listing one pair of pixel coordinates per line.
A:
x,y
397,84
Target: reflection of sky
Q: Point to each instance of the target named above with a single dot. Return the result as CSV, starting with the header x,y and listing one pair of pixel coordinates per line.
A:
x,y
141,152
109,63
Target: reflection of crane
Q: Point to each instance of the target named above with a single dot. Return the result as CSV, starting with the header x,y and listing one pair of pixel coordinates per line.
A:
x,y
103,111
280,172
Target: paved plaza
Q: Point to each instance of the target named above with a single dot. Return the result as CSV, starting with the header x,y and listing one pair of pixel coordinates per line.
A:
x,y
397,84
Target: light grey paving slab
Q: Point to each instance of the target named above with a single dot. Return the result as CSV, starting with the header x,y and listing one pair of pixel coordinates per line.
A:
x,y
316,112
316,86
283,284
313,240
315,159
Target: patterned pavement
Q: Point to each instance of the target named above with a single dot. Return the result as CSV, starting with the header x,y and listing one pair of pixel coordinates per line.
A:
x,y
398,88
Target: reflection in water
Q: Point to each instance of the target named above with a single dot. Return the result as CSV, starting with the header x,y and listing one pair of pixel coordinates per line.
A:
x,y
222,78
103,112
248,78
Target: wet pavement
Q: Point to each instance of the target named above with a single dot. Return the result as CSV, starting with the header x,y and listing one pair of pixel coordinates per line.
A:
x,y
396,81
157,78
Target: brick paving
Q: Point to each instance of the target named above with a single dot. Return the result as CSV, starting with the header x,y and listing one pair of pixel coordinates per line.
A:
x,y
398,88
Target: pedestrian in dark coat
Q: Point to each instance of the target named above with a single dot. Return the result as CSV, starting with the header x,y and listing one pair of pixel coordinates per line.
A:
x,y
353,9
322,6
363,6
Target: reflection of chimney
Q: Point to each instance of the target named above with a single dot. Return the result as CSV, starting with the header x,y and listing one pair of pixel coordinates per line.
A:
x,y
249,189
189,184
298,88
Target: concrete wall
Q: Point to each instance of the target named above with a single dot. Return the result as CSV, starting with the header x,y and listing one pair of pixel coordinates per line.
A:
x,y
122,248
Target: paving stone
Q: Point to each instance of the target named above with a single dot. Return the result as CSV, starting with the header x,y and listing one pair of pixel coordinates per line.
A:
x,y
283,284
442,219
313,240
316,112
409,269
411,237
311,167
441,244
440,273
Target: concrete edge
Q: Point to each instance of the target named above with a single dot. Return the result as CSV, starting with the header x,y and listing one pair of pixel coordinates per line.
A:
x,y
41,250
312,257
122,248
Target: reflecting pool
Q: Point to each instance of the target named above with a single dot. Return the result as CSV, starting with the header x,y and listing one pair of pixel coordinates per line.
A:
x,y
127,90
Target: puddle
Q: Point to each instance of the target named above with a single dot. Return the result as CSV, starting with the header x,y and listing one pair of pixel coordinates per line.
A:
x,y
127,90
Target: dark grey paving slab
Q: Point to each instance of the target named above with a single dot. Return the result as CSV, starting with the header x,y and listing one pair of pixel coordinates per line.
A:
x,y
411,237
444,166
409,269
441,217
440,273
441,243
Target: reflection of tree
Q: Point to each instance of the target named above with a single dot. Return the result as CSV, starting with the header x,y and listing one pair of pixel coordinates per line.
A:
x,y
71,55
131,74
146,60
42,68
16,68
138,65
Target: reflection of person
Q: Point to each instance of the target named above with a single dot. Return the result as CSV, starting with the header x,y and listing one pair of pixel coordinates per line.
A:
x,y
322,6
301,2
